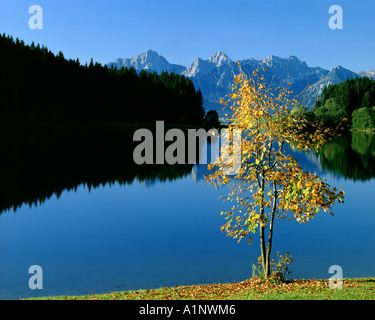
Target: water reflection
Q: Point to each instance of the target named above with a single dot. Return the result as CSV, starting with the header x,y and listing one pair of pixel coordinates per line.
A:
x,y
35,164
146,233
352,156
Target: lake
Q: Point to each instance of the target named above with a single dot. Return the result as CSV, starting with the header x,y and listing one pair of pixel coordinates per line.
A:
x,y
76,205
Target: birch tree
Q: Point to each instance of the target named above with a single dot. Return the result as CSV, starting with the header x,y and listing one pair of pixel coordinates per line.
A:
x,y
270,184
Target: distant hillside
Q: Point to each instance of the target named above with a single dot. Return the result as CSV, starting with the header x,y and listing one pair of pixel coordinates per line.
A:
x,y
335,76
150,61
214,76
369,74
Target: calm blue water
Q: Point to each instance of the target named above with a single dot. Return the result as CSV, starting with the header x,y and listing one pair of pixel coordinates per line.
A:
x,y
151,234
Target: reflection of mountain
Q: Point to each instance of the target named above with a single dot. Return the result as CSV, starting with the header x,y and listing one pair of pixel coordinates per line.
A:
x,y
198,172
35,164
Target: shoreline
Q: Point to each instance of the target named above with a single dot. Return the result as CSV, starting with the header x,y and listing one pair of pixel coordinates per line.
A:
x,y
251,289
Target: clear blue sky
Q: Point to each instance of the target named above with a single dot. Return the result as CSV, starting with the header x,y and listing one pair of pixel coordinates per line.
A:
x,y
183,30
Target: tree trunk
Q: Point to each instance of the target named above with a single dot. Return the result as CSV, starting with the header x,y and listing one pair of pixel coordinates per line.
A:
x,y
269,246
263,251
266,253
261,229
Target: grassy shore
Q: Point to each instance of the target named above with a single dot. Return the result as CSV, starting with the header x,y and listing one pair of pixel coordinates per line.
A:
x,y
253,289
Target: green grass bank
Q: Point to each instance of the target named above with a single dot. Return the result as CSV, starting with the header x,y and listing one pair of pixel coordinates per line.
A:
x,y
252,289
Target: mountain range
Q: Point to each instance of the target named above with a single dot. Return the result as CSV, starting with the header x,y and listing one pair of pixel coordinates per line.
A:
x,y
215,75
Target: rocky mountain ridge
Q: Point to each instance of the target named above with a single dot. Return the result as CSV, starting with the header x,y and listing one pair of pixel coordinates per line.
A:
x,y
215,75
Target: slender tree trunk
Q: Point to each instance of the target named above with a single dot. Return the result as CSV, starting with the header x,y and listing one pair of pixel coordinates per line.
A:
x,y
270,234
266,251
269,247
261,230
263,250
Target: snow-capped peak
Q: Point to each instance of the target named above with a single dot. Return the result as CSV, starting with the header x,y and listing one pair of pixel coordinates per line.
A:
x,y
149,60
219,58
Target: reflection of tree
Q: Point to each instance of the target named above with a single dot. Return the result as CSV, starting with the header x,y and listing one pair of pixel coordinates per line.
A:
x,y
363,143
352,156
35,164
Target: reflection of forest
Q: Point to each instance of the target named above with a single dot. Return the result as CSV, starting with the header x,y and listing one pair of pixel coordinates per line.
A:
x,y
35,164
352,156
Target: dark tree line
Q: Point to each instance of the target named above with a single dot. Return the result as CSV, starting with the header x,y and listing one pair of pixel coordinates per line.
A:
x,y
37,86
353,99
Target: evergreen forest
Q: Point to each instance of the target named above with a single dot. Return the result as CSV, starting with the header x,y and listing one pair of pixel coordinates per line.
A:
x,y
40,87
353,99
